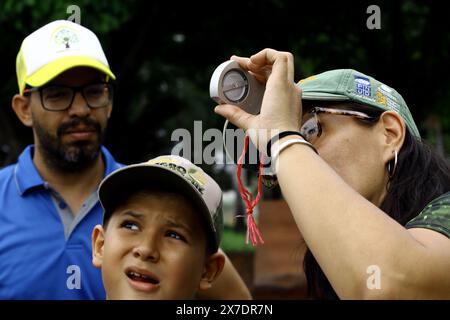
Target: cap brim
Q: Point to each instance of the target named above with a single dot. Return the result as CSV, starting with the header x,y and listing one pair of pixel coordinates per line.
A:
x,y
323,96
141,176
54,68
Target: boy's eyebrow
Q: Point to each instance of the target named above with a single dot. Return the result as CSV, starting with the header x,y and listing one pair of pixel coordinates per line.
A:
x,y
170,222
177,224
134,214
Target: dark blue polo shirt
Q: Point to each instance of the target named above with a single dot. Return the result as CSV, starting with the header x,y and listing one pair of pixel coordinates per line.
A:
x,y
45,250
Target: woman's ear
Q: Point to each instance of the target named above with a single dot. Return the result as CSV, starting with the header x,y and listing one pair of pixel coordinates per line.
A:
x,y
98,241
212,269
394,131
21,106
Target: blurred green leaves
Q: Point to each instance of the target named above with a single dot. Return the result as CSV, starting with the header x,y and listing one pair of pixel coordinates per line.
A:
x,y
102,16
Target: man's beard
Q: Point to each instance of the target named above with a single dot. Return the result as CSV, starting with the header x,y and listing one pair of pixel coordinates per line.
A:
x,y
69,156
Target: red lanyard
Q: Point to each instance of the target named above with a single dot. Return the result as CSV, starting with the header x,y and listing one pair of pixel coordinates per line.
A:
x,y
252,229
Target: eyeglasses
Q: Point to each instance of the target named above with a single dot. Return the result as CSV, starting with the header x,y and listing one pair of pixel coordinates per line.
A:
x,y
312,128
60,98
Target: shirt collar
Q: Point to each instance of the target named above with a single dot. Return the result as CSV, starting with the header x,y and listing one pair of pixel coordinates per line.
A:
x,y
27,176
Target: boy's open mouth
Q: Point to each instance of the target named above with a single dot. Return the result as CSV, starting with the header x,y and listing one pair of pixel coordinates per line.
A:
x,y
140,277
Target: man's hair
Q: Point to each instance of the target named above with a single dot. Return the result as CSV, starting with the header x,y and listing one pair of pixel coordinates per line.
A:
x,y
421,175
145,190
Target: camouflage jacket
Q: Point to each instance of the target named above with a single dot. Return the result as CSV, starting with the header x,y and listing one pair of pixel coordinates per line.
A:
x,y
435,216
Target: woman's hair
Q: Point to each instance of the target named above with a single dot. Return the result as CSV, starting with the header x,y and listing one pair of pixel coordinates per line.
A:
x,y
419,168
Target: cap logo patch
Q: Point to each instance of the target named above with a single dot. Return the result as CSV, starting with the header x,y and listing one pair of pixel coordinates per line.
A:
x,y
385,88
362,86
384,97
196,175
307,79
192,176
381,98
65,39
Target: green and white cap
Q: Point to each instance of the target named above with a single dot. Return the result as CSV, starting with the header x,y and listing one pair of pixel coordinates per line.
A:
x,y
171,173
351,85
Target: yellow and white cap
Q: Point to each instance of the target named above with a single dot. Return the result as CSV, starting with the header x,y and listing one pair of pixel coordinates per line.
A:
x,y
55,48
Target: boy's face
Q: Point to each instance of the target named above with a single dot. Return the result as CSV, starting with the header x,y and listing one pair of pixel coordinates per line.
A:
x,y
154,247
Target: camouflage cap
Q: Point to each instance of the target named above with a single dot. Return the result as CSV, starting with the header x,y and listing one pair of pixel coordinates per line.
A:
x,y
351,85
172,173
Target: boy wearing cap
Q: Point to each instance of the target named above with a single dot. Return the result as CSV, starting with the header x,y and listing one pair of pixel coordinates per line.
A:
x,y
161,230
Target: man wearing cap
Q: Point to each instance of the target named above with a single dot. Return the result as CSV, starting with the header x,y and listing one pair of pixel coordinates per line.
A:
x,y
370,198
49,204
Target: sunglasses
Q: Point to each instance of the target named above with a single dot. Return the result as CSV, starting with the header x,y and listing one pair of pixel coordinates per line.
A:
x,y
312,129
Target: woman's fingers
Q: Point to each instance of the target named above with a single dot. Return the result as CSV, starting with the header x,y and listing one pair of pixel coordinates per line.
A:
x,y
243,62
281,106
235,115
279,70
266,60
291,69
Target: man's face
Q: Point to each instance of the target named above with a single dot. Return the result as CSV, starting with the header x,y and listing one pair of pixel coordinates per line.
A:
x,y
154,248
70,140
